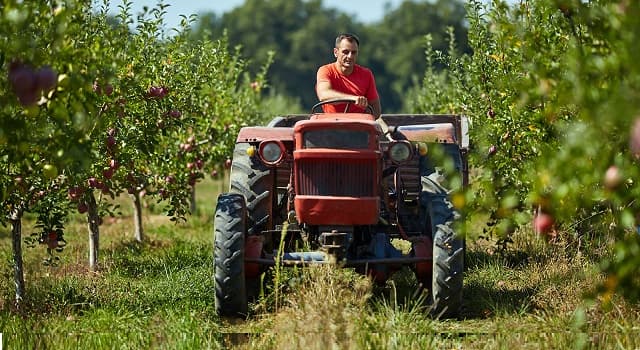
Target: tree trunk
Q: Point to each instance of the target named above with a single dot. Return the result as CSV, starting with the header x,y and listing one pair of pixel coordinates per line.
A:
x,y
192,204
16,240
137,217
94,231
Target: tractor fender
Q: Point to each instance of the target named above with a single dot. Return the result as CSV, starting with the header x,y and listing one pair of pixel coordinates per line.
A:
x,y
261,133
438,133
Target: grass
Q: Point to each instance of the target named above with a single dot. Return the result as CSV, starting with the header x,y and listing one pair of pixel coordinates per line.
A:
x,y
158,294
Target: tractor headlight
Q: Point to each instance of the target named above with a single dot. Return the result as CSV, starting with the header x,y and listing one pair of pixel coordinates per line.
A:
x,y
400,152
271,152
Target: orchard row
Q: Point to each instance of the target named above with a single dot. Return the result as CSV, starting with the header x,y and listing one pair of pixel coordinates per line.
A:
x,y
92,108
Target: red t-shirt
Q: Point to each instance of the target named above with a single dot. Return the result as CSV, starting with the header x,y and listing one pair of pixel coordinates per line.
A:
x,y
360,82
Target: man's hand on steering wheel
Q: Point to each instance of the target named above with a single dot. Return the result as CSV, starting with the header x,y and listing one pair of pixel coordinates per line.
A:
x,y
361,101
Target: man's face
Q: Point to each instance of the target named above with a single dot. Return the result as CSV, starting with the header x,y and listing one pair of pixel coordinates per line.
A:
x,y
346,54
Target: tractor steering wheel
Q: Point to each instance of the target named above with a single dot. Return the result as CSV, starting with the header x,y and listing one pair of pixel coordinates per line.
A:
x,y
333,101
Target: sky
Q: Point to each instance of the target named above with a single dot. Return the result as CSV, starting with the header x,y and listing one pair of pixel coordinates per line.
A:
x,y
364,10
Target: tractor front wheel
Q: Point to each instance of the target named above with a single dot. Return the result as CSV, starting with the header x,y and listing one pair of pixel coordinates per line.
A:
x,y
228,256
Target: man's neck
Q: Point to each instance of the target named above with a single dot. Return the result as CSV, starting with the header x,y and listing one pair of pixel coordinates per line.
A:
x,y
344,70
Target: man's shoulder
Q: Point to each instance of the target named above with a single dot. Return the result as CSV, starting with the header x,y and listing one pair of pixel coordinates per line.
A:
x,y
327,72
329,67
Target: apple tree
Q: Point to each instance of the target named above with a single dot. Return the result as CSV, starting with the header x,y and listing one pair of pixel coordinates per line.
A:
x,y
91,109
551,89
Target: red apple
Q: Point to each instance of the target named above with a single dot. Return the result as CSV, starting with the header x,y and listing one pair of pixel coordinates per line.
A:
x,y
107,173
82,208
542,223
24,83
227,163
92,182
492,150
75,192
157,91
153,91
108,89
199,163
22,79
111,141
46,78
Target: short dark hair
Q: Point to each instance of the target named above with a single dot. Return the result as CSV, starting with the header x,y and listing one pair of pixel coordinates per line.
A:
x,y
350,37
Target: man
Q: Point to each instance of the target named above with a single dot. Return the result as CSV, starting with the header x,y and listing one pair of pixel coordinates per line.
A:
x,y
346,79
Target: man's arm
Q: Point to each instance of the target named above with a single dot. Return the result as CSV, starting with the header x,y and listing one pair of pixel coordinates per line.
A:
x,y
377,109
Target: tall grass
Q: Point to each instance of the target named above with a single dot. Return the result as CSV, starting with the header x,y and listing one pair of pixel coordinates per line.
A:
x,y
159,294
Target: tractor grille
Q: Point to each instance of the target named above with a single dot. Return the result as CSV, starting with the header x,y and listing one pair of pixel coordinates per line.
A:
x,y
342,178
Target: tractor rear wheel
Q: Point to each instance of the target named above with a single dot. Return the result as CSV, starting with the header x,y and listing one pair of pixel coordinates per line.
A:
x,y
228,256
255,181
448,268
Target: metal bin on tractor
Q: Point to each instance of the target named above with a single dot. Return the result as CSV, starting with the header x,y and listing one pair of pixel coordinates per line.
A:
x,y
342,190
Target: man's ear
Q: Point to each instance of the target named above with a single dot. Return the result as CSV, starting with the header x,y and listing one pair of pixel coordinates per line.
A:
x,y
335,52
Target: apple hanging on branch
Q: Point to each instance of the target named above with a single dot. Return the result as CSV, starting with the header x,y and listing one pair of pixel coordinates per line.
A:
x,y
28,84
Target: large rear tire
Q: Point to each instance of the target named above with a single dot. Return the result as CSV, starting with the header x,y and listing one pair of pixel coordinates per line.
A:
x,y
255,182
228,256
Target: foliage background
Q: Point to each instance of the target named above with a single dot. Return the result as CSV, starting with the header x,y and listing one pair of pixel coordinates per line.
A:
x,y
550,86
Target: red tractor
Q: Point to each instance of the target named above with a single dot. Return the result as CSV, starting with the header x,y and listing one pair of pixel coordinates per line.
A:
x,y
333,188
